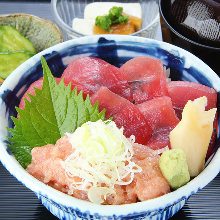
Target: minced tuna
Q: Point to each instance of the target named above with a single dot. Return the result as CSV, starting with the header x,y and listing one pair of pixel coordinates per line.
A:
x,y
47,166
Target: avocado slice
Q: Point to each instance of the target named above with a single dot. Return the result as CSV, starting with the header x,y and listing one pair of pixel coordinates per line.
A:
x,y
41,32
11,40
11,60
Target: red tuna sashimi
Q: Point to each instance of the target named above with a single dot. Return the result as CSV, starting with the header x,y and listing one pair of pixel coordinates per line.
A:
x,y
38,84
182,91
108,100
159,112
160,138
133,122
147,78
124,114
161,117
92,73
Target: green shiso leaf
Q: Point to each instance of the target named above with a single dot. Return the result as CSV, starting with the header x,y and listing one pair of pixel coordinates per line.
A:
x,y
54,111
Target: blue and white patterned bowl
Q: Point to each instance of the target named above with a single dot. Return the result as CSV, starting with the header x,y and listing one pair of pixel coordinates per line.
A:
x,y
116,50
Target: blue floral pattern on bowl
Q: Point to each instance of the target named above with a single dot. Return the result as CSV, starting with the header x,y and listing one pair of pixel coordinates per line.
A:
x,y
115,50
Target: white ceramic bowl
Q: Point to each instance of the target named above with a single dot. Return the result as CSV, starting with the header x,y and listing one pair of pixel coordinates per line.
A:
x,y
116,50
65,11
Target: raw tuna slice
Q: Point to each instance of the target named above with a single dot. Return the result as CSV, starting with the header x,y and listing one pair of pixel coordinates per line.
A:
x,y
159,112
37,84
147,78
160,138
108,100
161,116
133,122
124,114
182,91
92,73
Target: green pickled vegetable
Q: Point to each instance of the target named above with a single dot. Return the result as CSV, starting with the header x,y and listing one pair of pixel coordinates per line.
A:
x,y
11,40
14,50
41,32
11,60
115,16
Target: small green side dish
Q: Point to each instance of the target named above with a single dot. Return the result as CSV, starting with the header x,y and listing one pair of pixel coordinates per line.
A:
x,y
22,36
41,32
